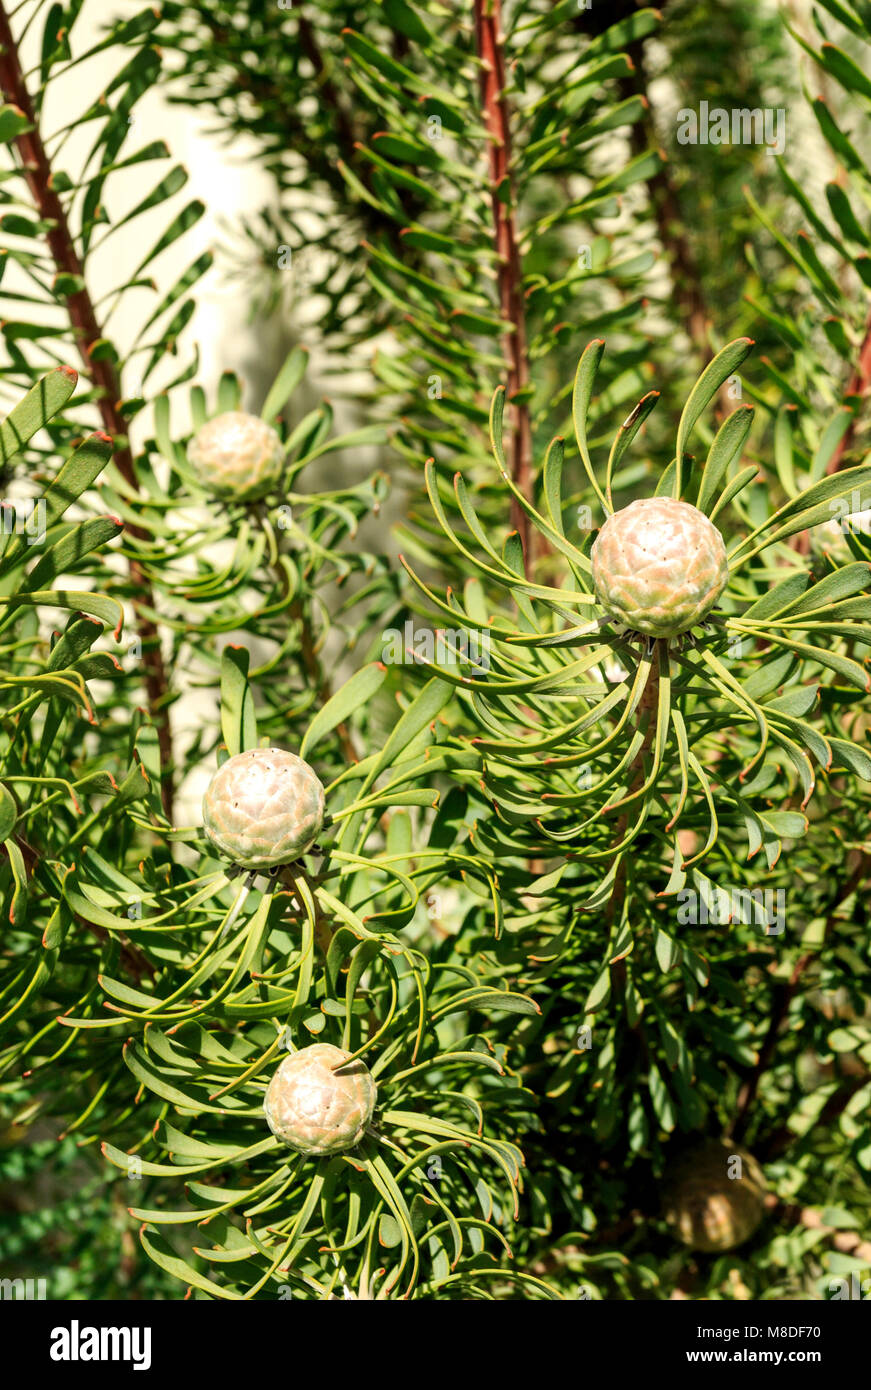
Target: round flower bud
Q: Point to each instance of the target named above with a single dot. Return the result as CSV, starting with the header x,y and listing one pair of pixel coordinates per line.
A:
x,y
713,1201
263,807
237,456
658,566
316,1109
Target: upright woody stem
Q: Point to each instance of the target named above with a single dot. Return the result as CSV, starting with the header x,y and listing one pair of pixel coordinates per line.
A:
x,y
489,42
100,370
635,775
858,385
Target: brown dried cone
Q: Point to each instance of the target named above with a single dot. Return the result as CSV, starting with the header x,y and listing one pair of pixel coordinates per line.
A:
x,y
263,807
237,456
659,566
704,1206
315,1109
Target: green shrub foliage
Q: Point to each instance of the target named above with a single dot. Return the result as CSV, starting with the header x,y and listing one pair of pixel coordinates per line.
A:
x,y
586,901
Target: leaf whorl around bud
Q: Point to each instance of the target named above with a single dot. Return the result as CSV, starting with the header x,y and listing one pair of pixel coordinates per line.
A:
x,y
315,1109
263,807
659,566
706,1205
237,456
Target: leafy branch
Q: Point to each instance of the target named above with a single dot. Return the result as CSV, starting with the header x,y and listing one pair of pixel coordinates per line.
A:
x,y
90,339
491,55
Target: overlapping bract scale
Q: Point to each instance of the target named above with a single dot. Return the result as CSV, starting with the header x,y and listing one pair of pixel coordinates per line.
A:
x,y
237,456
659,566
263,807
315,1109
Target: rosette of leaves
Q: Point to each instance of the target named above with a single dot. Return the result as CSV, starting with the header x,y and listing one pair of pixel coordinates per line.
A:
x,y
570,762
420,1206
240,970
275,568
614,1058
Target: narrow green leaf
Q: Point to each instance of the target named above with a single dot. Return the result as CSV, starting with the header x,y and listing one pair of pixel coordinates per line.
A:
x,y
727,360
354,694
238,721
284,385
41,404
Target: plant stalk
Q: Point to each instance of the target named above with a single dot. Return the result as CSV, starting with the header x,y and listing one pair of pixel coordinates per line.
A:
x,y
489,43
102,373
858,385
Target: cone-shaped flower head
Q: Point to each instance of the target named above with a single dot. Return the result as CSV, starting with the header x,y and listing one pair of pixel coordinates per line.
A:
x,y
237,456
658,566
715,1196
263,807
315,1109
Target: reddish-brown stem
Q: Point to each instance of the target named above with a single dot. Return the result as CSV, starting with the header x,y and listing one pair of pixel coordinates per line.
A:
x,y
859,385
490,49
684,269
100,370
309,46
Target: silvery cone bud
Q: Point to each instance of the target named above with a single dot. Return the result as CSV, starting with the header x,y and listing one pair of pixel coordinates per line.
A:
x,y
237,456
263,807
659,565
315,1109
